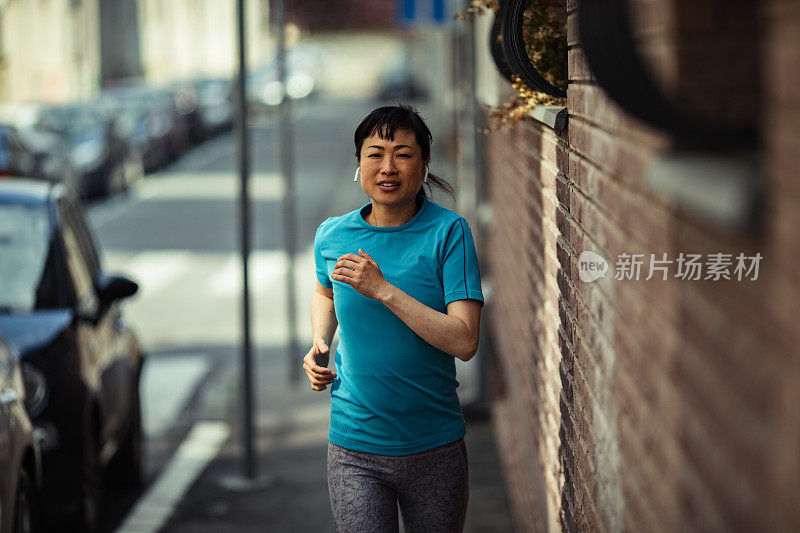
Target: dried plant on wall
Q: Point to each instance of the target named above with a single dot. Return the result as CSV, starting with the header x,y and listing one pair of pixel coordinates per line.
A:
x,y
544,35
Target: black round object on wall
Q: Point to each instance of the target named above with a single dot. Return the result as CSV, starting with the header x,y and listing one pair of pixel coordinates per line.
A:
x,y
514,49
496,49
608,45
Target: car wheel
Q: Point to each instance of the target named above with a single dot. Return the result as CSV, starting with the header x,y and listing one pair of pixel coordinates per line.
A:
x,y
134,172
88,513
84,188
127,471
115,182
25,506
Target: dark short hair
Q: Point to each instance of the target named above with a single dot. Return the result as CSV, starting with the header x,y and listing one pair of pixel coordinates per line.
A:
x,y
386,120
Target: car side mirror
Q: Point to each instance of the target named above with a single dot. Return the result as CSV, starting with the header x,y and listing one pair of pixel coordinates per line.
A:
x,y
110,288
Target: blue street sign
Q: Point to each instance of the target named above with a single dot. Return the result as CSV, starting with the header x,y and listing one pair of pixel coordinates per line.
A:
x,y
438,10
412,12
406,10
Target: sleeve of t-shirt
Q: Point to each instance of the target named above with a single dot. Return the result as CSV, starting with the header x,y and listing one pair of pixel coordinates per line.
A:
x,y
461,277
320,263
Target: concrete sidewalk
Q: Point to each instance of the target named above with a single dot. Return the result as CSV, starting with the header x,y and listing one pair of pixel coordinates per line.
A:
x,y
293,494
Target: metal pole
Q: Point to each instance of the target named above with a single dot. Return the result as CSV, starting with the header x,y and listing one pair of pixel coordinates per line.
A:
x,y
244,211
479,165
286,146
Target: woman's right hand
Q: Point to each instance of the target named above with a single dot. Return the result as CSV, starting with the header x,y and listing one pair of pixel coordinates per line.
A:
x,y
319,376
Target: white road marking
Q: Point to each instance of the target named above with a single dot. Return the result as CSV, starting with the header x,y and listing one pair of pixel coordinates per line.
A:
x,y
265,268
209,186
154,270
227,278
186,185
159,502
194,298
167,384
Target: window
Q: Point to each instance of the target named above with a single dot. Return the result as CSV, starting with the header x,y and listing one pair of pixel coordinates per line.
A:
x,y
80,266
27,261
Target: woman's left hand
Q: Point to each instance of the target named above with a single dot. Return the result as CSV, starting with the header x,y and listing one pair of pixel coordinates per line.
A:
x,y
362,273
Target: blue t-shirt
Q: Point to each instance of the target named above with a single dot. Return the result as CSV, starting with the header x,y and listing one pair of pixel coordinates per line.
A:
x,y
395,394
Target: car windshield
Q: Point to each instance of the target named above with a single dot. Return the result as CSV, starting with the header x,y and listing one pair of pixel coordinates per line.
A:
x,y
72,123
26,280
6,157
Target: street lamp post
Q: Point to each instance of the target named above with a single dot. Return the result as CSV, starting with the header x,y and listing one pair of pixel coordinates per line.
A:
x,y
286,149
244,212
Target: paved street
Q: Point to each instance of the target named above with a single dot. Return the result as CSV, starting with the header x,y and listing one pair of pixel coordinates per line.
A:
x,y
176,233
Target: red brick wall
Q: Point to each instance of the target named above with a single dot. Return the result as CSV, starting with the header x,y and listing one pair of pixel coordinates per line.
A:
x,y
648,405
525,318
781,65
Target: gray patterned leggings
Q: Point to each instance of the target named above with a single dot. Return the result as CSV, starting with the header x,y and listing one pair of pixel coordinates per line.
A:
x,y
431,486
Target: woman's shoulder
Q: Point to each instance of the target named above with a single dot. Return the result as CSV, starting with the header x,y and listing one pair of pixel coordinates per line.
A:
x,y
441,215
338,222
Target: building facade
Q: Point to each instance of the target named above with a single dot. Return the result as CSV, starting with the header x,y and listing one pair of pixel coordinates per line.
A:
x,y
63,50
49,51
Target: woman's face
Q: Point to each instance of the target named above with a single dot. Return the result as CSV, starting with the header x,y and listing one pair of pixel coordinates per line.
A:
x,y
392,171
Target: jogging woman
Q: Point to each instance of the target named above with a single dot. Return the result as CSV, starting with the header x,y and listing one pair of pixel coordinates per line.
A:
x,y
399,277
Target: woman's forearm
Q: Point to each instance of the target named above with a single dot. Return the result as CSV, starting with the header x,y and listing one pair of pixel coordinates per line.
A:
x,y
323,318
448,333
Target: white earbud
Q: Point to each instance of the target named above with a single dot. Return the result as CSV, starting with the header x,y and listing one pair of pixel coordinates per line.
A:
x,y
355,178
425,179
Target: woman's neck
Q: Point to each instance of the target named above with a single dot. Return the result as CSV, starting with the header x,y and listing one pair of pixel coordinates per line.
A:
x,y
392,216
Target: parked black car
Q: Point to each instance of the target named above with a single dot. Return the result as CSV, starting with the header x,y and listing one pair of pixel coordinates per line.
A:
x,y
174,125
51,155
20,463
187,104
99,153
15,158
144,127
81,363
46,155
216,104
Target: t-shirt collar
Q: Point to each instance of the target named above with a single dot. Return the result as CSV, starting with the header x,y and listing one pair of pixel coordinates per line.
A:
x,y
363,211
